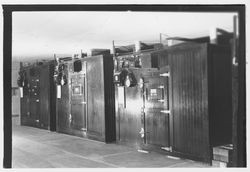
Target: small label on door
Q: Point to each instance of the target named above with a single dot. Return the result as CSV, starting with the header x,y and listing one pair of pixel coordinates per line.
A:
x,y
58,95
21,92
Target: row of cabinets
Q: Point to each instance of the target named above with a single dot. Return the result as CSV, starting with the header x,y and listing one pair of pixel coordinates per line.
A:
x,y
181,104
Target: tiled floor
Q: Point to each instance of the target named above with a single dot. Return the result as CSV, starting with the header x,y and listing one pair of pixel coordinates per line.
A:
x,y
36,148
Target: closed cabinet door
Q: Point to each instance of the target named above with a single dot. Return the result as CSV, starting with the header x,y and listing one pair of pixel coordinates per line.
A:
x,y
78,116
156,120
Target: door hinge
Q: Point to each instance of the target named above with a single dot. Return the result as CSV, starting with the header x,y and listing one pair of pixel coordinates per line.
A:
x,y
167,148
165,74
165,111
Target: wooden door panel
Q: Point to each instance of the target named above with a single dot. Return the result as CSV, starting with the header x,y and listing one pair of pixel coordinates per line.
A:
x,y
157,131
78,116
95,104
95,97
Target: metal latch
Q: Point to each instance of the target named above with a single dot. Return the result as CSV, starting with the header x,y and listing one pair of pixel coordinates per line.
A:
x,y
167,148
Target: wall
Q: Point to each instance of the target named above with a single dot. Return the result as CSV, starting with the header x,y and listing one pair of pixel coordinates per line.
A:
x,y
15,94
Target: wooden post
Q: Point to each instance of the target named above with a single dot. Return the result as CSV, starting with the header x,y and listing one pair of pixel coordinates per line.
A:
x,y
213,35
160,38
7,116
239,93
113,44
234,98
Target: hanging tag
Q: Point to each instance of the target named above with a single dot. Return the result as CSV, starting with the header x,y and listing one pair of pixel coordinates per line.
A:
x,y
21,92
58,95
121,96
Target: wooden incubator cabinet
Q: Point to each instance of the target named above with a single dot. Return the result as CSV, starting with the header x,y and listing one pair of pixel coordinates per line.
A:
x,y
176,100
85,98
37,95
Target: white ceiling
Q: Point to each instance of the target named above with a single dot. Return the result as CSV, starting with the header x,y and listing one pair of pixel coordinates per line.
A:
x,y
41,34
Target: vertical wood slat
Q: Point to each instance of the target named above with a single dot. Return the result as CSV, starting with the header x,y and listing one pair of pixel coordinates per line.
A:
x,y
52,97
204,53
44,92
